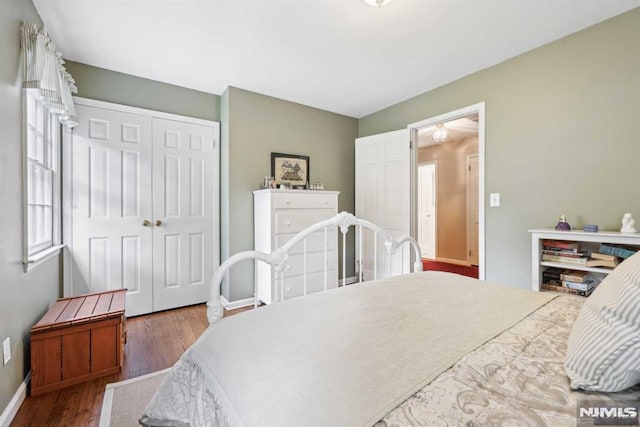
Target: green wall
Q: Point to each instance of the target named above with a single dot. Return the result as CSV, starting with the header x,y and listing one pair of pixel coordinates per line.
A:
x,y
24,297
562,136
258,125
111,86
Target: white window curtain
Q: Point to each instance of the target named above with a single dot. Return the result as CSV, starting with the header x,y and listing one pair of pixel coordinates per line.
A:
x,y
44,72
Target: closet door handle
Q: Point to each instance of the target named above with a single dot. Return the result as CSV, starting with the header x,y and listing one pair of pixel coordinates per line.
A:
x,y
158,223
146,223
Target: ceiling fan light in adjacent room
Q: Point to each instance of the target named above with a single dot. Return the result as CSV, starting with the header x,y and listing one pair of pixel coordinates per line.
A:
x,y
377,3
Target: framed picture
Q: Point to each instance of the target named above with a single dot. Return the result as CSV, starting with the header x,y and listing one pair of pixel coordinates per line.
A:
x,y
290,169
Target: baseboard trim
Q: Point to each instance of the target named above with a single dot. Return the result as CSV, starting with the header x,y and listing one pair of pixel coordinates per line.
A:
x,y
453,261
348,281
12,408
235,304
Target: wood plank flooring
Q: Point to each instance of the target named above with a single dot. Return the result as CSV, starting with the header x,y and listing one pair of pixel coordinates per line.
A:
x,y
154,342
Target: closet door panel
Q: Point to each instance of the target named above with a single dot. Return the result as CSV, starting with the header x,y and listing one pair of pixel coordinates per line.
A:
x,y
111,178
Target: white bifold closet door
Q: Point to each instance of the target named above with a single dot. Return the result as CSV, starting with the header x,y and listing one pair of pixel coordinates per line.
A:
x,y
142,208
383,187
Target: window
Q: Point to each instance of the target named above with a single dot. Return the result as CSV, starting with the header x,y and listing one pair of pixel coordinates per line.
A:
x,y
42,180
47,108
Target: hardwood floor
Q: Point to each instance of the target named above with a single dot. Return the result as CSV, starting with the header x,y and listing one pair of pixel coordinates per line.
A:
x,y
154,342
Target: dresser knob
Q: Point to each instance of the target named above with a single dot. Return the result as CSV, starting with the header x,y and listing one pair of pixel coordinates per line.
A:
x,y
288,267
288,223
287,202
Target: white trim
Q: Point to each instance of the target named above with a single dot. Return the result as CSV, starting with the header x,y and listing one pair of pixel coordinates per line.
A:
x,y
42,257
67,209
452,115
143,111
109,391
236,304
12,408
453,261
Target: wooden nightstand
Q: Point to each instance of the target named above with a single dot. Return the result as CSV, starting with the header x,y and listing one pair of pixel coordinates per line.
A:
x,y
80,338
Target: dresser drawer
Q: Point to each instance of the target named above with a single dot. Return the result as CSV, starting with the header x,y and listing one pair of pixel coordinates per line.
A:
x,y
294,286
296,221
315,264
306,201
315,242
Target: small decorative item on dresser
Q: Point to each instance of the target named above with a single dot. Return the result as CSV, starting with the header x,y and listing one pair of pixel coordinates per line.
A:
x,y
628,224
563,225
590,228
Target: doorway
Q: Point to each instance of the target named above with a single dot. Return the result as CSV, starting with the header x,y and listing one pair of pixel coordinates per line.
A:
x,y
455,141
427,209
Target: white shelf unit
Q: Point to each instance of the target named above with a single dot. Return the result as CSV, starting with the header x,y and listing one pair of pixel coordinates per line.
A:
x,y
606,237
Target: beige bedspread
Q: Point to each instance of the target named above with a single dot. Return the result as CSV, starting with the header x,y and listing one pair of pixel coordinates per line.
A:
x,y
516,379
342,357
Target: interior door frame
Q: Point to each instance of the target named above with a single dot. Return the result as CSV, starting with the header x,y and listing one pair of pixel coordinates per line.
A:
x,y
478,108
67,181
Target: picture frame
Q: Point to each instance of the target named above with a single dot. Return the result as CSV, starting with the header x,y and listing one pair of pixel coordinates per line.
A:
x,y
292,170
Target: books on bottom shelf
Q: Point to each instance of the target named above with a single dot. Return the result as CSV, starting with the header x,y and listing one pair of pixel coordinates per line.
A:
x,y
570,281
565,290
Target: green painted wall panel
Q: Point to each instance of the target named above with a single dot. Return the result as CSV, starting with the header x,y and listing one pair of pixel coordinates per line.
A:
x,y
24,297
111,86
258,125
562,136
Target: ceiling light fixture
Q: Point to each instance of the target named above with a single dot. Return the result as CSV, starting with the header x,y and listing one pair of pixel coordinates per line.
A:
x,y
440,134
377,3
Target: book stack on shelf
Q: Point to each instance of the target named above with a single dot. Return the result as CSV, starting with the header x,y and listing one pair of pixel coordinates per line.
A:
x,y
608,256
564,252
569,281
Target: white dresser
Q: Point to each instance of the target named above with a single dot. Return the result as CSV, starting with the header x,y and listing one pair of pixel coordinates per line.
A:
x,y
278,216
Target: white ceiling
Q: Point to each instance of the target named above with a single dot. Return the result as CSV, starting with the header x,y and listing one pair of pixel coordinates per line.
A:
x,y
338,55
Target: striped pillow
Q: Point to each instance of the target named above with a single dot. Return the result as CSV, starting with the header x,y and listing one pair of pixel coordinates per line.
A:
x,y
603,352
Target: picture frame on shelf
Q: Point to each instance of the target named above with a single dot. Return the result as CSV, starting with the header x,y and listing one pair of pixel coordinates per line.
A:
x,y
292,170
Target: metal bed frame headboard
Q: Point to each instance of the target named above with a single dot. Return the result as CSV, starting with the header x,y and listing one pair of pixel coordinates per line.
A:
x,y
279,257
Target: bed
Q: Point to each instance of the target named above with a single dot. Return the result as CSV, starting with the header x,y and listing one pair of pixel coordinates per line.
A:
x,y
427,348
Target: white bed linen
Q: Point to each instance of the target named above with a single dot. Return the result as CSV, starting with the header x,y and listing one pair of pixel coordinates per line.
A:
x,y
341,357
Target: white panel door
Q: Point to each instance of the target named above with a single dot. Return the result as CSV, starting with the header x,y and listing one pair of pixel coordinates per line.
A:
x,y
427,209
183,200
383,185
111,247
473,210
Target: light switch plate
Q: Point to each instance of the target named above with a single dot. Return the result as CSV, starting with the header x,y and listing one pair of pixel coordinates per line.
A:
x,y
6,350
494,200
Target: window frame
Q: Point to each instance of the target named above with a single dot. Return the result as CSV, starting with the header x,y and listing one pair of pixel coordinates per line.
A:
x,y
36,254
